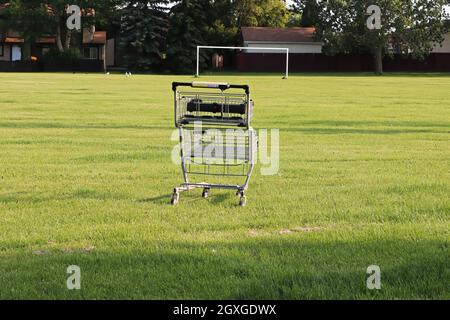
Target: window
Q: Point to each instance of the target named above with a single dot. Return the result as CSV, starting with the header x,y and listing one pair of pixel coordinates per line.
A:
x,y
90,53
1,50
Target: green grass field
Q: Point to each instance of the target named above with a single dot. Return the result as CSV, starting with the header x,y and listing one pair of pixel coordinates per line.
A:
x,y
86,178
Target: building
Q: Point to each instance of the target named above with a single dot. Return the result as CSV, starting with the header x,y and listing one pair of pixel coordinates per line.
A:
x,y
394,47
10,47
444,47
94,46
298,40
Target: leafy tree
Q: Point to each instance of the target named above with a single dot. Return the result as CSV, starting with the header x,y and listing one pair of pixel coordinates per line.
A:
x,y
222,27
295,18
261,13
415,26
215,22
143,33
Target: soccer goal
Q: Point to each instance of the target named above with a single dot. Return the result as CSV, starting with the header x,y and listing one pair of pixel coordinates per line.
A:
x,y
286,76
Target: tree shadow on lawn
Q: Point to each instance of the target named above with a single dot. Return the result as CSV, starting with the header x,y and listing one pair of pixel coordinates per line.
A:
x,y
260,267
59,125
81,194
365,127
361,131
162,199
370,123
189,196
38,197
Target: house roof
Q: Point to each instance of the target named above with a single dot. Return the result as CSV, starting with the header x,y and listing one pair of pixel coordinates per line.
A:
x,y
290,35
46,40
13,40
99,37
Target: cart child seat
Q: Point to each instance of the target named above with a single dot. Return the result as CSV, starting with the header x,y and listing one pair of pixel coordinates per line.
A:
x,y
219,108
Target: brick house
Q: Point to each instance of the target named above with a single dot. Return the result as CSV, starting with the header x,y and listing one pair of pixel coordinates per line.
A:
x,y
95,46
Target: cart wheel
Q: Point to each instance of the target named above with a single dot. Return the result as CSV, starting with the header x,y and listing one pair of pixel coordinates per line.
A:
x,y
205,193
175,198
243,201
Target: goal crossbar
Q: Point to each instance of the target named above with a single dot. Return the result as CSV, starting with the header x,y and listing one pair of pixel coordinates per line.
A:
x,y
243,48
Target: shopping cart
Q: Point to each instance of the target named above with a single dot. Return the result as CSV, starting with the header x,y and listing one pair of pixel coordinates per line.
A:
x,y
216,139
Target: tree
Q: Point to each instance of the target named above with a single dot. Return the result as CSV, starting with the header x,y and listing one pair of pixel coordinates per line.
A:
x,y
188,28
222,29
310,10
143,33
215,22
93,11
261,13
414,26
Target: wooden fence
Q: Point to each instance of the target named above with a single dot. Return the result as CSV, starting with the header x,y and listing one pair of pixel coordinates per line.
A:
x,y
311,62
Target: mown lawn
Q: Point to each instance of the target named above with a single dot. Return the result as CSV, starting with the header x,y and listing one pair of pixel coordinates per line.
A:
x,y
86,177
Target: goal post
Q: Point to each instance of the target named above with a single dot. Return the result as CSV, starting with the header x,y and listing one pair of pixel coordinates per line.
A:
x,y
286,76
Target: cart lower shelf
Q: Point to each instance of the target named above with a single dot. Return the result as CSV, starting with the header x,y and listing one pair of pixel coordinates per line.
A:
x,y
240,191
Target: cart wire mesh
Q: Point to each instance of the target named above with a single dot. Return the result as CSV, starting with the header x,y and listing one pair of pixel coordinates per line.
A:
x,y
213,108
218,152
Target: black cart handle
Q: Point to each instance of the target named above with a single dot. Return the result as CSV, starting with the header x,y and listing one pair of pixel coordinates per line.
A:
x,y
212,85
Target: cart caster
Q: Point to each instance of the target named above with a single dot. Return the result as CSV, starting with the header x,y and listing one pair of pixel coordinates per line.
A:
x,y
175,198
205,193
243,201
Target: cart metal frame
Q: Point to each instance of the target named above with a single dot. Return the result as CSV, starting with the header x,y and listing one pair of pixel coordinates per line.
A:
x,y
217,113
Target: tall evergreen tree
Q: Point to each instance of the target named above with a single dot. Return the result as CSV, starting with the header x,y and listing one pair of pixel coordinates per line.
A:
x,y
188,28
310,12
143,31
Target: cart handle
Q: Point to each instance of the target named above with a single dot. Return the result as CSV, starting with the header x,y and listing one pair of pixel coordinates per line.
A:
x,y
215,85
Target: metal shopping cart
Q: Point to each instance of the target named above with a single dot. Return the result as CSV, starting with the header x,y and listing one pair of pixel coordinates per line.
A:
x,y
216,139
